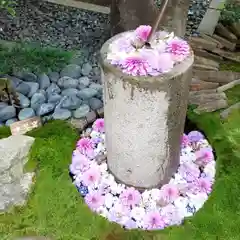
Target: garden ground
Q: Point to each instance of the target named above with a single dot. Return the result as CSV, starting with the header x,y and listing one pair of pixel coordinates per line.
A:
x,y
55,209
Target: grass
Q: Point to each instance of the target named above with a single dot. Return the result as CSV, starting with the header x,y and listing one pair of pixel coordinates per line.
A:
x,y
33,58
55,209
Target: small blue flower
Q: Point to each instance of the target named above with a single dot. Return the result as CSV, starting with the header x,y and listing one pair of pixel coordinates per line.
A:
x,y
191,209
83,190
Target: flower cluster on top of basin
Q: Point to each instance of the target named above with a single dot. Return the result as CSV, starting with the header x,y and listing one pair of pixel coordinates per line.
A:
x,y
152,209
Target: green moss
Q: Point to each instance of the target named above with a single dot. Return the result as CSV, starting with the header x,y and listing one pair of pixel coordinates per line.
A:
x,y
230,66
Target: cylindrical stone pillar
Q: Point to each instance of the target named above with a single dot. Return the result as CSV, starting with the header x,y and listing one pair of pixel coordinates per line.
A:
x,y
144,121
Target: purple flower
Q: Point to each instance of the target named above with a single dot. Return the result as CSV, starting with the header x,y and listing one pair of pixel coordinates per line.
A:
x,y
99,125
189,171
178,48
79,164
142,32
201,185
195,136
130,224
204,156
130,197
154,220
94,200
184,140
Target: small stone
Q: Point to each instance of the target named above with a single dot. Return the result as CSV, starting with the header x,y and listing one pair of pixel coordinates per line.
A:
x,y
87,93
197,85
3,105
26,113
82,111
24,101
86,69
91,117
34,86
67,82
54,98
79,124
23,88
96,86
14,81
27,76
61,114
44,81
227,44
7,112
225,113
211,106
54,76
223,31
10,121
53,89
70,92
71,102
37,100
83,82
95,103
72,71
45,108
100,112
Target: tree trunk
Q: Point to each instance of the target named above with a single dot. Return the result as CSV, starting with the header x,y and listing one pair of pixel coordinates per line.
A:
x,y
129,14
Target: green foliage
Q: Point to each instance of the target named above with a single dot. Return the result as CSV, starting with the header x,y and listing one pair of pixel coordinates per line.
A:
x,y
8,5
231,13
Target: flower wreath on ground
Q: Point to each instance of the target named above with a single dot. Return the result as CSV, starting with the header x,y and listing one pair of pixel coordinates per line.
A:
x,y
152,209
135,58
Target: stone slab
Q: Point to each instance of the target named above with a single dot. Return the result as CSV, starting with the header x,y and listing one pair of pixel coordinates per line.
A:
x,y
211,106
217,4
233,56
235,28
197,85
204,67
224,32
197,42
211,39
204,53
226,43
206,61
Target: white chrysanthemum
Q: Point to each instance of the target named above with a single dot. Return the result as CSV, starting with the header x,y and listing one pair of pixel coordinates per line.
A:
x,y
210,170
138,213
103,168
110,200
116,188
155,194
94,134
103,211
197,200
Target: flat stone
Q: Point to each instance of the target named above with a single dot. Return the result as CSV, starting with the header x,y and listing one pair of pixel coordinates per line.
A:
x,y
62,114
53,89
197,42
221,77
204,67
71,102
24,101
37,100
87,93
44,81
3,105
70,92
224,32
211,106
86,69
45,108
23,88
83,82
235,28
233,56
79,124
206,61
225,113
211,39
34,86
14,81
228,86
72,71
67,82
91,117
26,76
226,43
82,111
197,85
10,121
26,113
208,55
54,98
206,98
7,112
95,103
54,76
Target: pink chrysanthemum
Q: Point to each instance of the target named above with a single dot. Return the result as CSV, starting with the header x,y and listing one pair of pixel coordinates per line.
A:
x,y
80,163
178,48
130,197
204,156
85,146
184,140
169,193
154,220
201,185
142,32
91,176
189,171
94,200
99,125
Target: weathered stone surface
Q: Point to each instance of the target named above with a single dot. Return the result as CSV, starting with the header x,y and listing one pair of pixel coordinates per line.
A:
x,y
197,85
224,32
70,92
234,56
83,82
37,100
206,61
7,113
45,108
79,124
27,76
44,81
95,103
87,93
211,106
211,39
228,86
24,101
34,86
14,184
86,69
225,113
91,117
82,111
235,27
61,114
54,76
72,71
216,76
197,42
206,98
67,82
208,55
54,98
70,102
23,88
204,67
227,44
53,89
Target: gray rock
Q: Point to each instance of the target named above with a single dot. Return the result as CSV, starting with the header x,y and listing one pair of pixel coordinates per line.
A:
x,y
83,82
54,76
54,98
44,81
26,76
53,89
14,81
23,88
87,93
45,108
10,121
61,114
7,112
82,111
71,102
14,183
43,92
71,70
37,100
96,86
95,103
34,86
26,113
70,92
67,82
86,69
24,101
3,105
